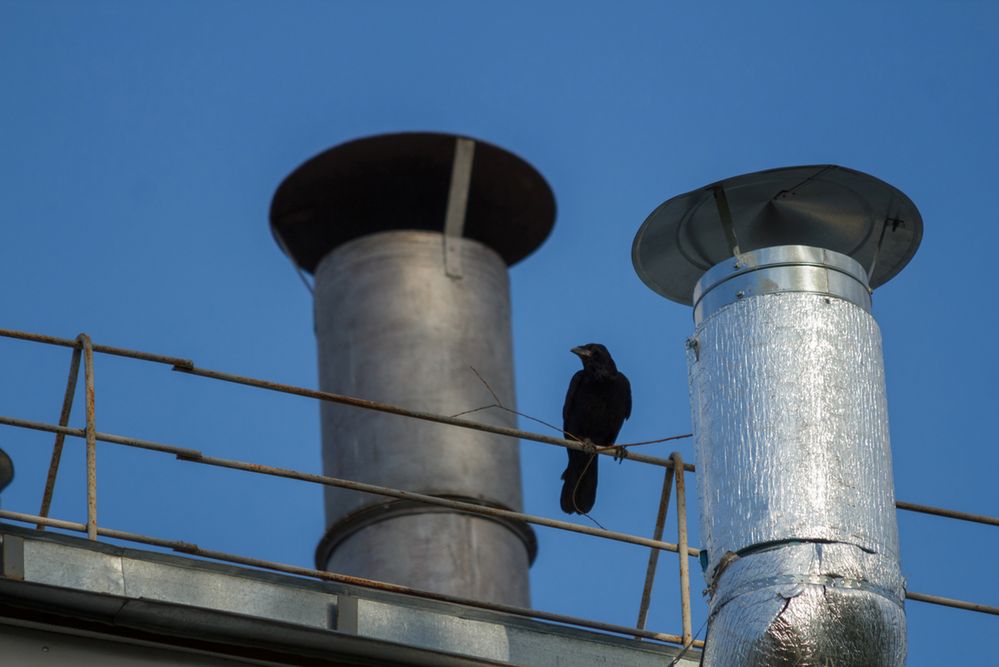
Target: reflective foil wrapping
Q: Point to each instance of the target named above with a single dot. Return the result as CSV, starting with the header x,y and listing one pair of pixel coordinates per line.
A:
x,y
794,474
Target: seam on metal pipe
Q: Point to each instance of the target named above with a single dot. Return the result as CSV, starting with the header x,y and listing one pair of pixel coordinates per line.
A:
x,y
392,509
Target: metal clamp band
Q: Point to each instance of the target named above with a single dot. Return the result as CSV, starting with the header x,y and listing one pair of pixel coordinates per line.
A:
x,y
793,268
395,508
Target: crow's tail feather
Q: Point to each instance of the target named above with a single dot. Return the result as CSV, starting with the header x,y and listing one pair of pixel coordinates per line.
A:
x,y
580,480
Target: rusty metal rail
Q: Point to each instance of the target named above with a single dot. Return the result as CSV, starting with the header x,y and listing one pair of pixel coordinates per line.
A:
x,y
950,514
951,602
188,366
681,531
675,468
103,349
431,417
196,456
524,435
657,534
67,408
91,435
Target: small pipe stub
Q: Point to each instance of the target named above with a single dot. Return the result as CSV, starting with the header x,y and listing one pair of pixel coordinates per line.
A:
x,y
6,470
823,206
402,181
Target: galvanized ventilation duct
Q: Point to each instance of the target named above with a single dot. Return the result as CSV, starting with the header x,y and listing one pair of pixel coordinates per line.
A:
x,y
788,406
409,237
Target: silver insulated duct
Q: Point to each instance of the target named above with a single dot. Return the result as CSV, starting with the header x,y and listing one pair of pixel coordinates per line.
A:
x,y
409,237
800,544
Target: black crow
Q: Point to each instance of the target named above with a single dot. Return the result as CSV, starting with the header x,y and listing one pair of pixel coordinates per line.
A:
x,y
596,405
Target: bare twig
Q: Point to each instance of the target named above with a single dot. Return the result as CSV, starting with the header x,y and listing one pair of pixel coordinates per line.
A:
x,y
468,412
575,488
652,442
599,525
488,388
689,645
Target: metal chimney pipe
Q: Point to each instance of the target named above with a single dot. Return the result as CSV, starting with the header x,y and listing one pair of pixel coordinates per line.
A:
x,y
409,237
789,411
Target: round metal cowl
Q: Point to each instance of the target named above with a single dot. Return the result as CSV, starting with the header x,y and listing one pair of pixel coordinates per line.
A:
x,y
824,206
401,181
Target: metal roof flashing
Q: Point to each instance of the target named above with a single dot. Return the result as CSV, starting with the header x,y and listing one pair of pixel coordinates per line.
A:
x,y
63,586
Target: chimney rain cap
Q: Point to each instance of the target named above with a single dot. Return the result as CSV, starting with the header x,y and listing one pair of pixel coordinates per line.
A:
x,y
825,206
401,181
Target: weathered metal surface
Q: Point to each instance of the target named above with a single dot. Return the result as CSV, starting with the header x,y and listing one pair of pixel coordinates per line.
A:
x,y
179,597
59,564
396,508
193,549
41,646
480,560
392,326
807,603
798,523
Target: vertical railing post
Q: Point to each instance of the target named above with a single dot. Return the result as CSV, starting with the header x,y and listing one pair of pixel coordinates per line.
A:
x,y
650,572
67,408
91,430
681,529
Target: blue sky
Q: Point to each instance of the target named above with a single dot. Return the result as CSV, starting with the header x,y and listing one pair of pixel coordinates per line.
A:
x,y
140,144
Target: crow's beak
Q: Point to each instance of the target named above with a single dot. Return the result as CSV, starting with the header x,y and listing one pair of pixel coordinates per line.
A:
x,y
581,352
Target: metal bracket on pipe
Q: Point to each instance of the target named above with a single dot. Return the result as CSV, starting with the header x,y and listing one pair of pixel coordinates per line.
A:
x,y
725,215
457,203
895,224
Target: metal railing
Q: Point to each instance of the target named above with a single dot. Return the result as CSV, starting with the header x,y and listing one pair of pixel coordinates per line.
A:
x,y
674,466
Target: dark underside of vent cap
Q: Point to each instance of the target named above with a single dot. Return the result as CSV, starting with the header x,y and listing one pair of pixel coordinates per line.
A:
x,y
402,181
